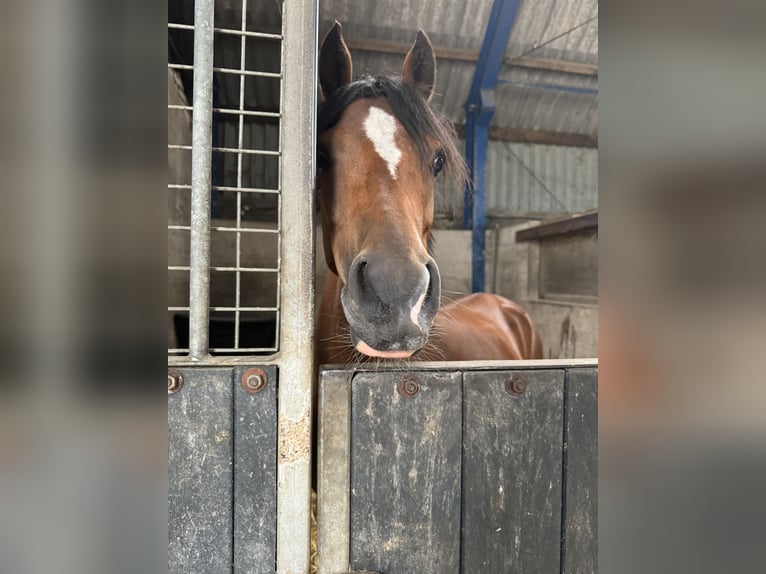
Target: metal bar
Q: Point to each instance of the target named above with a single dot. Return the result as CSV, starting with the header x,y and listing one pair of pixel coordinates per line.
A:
x,y
333,472
479,108
479,223
228,188
296,377
244,350
245,230
227,229
247,113
233,71
501,20
247,33
247,151
470,126
213,268
199,276
269,309
229,111
228,149
254,309
236,72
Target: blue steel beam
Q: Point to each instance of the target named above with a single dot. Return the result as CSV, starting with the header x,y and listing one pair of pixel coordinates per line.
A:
x,y
479,109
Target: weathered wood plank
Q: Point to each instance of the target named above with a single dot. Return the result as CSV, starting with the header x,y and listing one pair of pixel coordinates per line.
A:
x,y
580,555
540,137
405,474
512,465
443,52
333,469
255,475
576,222
200,473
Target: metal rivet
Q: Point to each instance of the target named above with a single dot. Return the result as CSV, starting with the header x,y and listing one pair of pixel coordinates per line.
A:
x,y
175,381
254,380
408,387
516,385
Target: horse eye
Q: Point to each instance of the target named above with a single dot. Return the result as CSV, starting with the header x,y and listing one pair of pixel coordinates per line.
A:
x,y
323,163
438,164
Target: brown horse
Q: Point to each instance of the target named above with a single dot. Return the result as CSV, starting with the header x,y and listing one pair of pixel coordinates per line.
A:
x,y
380,149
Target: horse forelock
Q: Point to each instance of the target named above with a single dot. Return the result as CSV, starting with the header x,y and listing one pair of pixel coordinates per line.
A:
x,y
413,112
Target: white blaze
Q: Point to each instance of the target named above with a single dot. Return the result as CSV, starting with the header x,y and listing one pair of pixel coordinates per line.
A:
x,y
380,127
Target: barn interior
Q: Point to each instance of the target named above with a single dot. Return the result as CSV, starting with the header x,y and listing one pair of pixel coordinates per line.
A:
x,y
541,160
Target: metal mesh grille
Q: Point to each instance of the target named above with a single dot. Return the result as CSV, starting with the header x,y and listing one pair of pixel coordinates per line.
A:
x,y
245,191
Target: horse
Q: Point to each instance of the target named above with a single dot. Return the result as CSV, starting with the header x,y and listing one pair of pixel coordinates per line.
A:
x,y
380,148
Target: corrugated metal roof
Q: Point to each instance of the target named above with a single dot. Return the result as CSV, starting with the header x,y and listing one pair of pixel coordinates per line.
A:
x,y
569,173
449,24
461,25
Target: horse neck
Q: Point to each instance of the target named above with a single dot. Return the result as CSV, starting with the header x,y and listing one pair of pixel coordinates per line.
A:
x,y
331,321
330,309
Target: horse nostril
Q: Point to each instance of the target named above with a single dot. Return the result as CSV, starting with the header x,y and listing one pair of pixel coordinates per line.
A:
x,y
357,276
361,276
430,289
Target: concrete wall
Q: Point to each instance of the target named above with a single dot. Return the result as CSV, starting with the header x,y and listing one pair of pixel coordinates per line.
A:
x,y
568,329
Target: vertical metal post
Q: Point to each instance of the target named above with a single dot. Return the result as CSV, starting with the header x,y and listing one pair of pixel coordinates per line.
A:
x,y
479,222
470,123
199,274
479,108
299,29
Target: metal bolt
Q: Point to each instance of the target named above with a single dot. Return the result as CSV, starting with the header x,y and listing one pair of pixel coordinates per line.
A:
x,y
408,387
175,381
254,380
516,385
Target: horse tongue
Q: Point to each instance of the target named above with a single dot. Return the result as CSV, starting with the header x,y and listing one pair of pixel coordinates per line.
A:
x,y
365,349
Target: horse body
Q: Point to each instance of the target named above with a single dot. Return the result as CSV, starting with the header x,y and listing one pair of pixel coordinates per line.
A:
x,y
481,326
380,149
484,326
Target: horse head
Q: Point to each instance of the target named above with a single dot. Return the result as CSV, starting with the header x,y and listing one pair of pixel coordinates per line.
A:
x,y
380,149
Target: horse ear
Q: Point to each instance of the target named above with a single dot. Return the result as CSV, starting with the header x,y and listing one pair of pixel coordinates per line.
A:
x,y
334,61
419,68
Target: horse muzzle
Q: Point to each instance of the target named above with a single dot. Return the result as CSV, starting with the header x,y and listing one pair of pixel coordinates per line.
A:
x,y
390,304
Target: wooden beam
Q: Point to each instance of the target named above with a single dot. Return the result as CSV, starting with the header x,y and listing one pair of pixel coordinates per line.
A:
x,y
517,135
562,226
386,47
553,66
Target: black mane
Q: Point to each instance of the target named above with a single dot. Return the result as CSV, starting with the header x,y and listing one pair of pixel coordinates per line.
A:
x,y
410,108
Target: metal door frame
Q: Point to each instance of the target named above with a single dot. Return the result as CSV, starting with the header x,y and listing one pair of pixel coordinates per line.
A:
x,y
296,318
